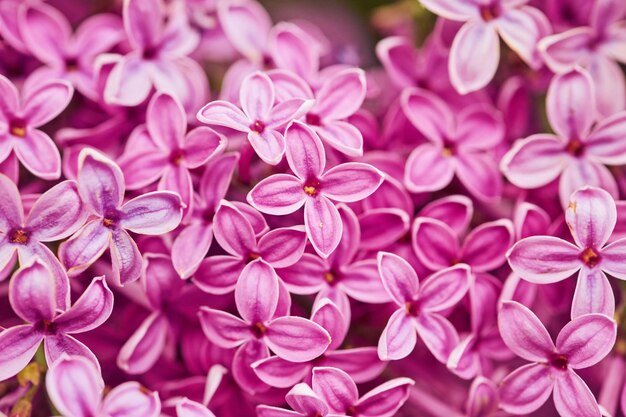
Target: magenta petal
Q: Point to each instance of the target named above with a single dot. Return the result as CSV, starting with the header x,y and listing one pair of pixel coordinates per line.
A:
x,y
256,292
217,177
483,398
268,145
385,399
341,95
243,373
572,397
305,152
218,274
224,329
604,142
287,111
336,388
479,175
350,239
544,259
152,213
352,181
399,337
585,172
17,347
327,314
323,225
142,161
143,22
479,128
278,194
445,288
32,293
343,136
145,345
100,181
178,180
188,408
10,205
591,216
75,386
428,113
305,277
190,247
427,169
131,399
46,101
296,339
569,97
166,121
521,30
303,399
125,257
434,243
58,213
283,247
438,334
223,113
362,364
398,278
56,346
614,259
38,153
587,340
485,246
233,231
523,333
85,247
593,294
383,227
361,281
10,100
88,312
454,9
278,372
526,389
257,96
202,144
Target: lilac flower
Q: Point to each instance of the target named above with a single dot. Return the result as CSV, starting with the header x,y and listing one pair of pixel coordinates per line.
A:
x,y
158,58
420,308
193,242
578,152
361,364
302,399
279,248
31,295
591,217
598,47
483,400
475,52
260,118
20,118
76,389
162,149
341,275
188,408
55,215
101,185
47,34
456,144
282,194
256,295
582,343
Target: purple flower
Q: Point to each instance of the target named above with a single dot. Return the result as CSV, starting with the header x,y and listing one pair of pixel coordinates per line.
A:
x,y
457,143
76,389
420,308
583,342
475,51
598,47
262,326
162,149
260,118
31,294
578,152
591,217
20,118
55,215
314,188
279,248
101,185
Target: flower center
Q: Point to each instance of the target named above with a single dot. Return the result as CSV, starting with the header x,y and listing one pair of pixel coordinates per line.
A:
x,y
489,12
17,127
351,411
258,329
412,308
590,257
149,53
258,126
313,119
558,361
19,236
575,147
447,151
252,256
329,277
311,187
110,219
47,327
176,157
71,64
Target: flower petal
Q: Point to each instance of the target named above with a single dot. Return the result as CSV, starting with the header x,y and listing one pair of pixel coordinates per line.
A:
x,y
85,246
257,96
131,399
100,181
129,83
218,274
544,259
323,225
224,113
202,144
438,334
143,22
385,399
351,181
75,386
145,346
88,312
585,172
256,293
17,347
523,333
428,114
223,329
591,217
614,259
58,213
479,175
296,339
278,194
11,209
398,278
188,408
570,96
485,247
526,389
434,243
593,294
586,340
283,247
521,31
153,213
32,293
166,121
604,142
445,288
454,10
190,247
268,145
125,257
38,153
427,169
335,387
44,102
399,337
305,152
279,373
233,231
572,397
343,136
341,95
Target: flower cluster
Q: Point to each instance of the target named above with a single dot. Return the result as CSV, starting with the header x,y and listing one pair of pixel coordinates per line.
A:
x,y
366,209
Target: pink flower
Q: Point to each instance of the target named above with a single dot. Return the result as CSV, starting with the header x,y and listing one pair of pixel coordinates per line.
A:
x,y
279,248
314,188
20,117
457,143
483,399
76,389
162,149
598,47
420,308
55,215
582,343
260,118
47,34
158,59
578,152
262,326
101,185
31,294
591,217
303,401
475,51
